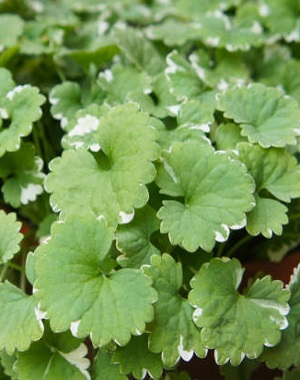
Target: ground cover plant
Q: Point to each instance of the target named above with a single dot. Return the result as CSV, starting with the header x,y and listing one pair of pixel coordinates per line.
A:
x,y
149,150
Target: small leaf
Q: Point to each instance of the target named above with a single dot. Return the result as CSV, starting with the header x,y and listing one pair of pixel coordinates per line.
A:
x,y
19,321
104,369
10,236
228,136
172,331
11,29
79,290
120,169
265,115
287,353
134,239
233,324
217,192
136,358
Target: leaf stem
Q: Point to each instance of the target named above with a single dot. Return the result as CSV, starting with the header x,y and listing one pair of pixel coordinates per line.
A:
x,y
3,272
239,244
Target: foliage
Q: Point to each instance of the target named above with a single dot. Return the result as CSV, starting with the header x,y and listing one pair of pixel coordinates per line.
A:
x,y
148,151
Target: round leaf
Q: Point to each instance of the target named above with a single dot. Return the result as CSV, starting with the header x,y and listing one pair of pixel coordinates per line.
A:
x,y
10,236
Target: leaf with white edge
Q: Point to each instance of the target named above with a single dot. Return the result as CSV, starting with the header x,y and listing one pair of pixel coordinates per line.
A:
x,y
174,32
172,331
65,101
216,189
134,239
287,353
81,129
193,8
55,356
19,109
121,169
265,115
139,50
22,175
237,325
228,136
121,81
10,237
184,81
195,115
278,172
19,321
136,358
104,369
11,29
78,290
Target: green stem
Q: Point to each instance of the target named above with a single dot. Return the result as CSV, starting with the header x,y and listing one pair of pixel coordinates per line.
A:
x,y
220,250
239,244
3,272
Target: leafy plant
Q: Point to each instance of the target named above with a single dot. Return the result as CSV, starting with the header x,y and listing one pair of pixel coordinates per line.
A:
x,y
149,151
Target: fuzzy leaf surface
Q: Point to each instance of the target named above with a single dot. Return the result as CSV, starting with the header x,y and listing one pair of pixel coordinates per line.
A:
x,y
120,169
136,358
234,324
172,332
79,289
216,190
19,324
10,237
265,115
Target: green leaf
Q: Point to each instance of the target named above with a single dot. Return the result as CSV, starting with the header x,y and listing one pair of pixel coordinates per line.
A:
x,y
276,171
104,369
22,176
55,356
265,115
134,239
20,322
139,50
228,136
195,115
19,108
172,331
136,358
287,353
120,81
10,237
185,82
216,193
237,325
11,28
120,169
79,289
7,362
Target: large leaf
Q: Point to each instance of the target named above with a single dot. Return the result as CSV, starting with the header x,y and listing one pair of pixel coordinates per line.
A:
x,y
135,357
55,356
19,319
22,175
10,236
276,171
19,108
78,288
172,331
265,115
216,192
110,182
237,324
287,353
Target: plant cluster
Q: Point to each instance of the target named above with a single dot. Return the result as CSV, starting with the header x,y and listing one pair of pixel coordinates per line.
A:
x,y
148,151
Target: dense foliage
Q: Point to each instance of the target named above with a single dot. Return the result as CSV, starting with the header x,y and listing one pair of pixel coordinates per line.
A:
x,y
148,151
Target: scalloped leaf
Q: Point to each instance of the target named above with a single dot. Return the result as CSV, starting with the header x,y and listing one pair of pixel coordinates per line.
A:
x,y
237,325
22,175
216,190
7,362
228,136
19,320
120,169
185,83
195,115
55,356
278,172
287,353
104,369
10,237
20,107
134,239
136,358
265,115
11,29
78,288
172,331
